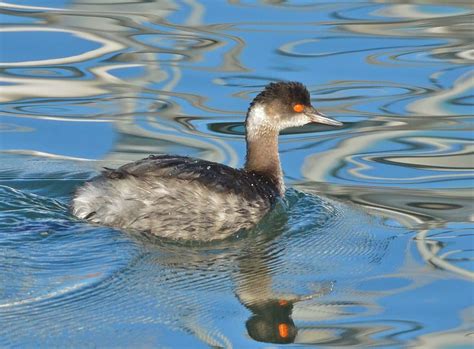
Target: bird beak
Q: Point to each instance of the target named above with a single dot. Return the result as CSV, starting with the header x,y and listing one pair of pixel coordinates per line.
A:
x,y
320,118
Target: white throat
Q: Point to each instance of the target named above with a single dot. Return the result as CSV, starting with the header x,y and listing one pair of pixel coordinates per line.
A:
x,y
259,123
262,146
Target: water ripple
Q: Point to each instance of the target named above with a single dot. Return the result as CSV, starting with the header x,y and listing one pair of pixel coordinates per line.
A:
x,y
115,81
17,53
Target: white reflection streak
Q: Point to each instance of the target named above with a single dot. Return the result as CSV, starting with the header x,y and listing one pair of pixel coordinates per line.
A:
x,y
357,173
25,7
57,118
60,88
442,156
50,88
426,248
316,166
437,101
211,338
457,337
43,154
108,46
47,296
422,159
103,72
409,11
196,14
422,242
34,87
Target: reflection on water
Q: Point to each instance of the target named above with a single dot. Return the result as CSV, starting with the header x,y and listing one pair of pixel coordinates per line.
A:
x,y
86,84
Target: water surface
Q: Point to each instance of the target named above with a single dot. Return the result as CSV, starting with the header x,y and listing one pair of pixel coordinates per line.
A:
x,y
373,246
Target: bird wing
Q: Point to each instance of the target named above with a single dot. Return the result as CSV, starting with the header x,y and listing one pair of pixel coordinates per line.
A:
x,y
215,176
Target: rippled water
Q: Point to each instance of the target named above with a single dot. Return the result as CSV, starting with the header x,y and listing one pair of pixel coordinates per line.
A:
x,y
374,243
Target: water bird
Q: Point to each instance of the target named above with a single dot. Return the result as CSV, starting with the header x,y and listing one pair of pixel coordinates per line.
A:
x,y
185,198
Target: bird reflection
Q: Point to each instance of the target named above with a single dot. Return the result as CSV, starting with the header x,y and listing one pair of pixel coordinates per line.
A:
x,y
250,260
271,321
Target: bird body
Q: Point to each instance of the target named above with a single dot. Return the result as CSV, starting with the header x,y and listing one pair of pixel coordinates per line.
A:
x,y
192,199
176,197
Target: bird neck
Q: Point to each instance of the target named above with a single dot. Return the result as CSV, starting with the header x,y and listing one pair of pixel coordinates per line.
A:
x,y
262,147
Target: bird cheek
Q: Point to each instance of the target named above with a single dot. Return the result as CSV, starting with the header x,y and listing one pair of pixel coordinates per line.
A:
x,y
304,120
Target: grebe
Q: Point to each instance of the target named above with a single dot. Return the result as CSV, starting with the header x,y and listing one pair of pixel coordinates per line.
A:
x,y
179,197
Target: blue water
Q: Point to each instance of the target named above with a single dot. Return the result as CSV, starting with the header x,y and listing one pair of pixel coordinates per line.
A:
x,y
373,245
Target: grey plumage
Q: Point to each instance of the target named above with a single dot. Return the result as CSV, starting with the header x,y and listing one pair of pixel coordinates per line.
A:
x,y
183,198
176,197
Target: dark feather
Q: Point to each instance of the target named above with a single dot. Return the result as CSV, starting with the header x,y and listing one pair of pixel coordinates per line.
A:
x,y
286,93
217,177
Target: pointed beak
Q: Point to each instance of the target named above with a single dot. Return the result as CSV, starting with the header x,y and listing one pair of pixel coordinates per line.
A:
x,y
320,118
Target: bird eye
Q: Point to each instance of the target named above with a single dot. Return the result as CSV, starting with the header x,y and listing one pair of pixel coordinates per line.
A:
x,y
298,108
283,330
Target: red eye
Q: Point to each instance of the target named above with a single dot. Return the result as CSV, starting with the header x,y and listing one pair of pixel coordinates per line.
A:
x,y
298,108
283,330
